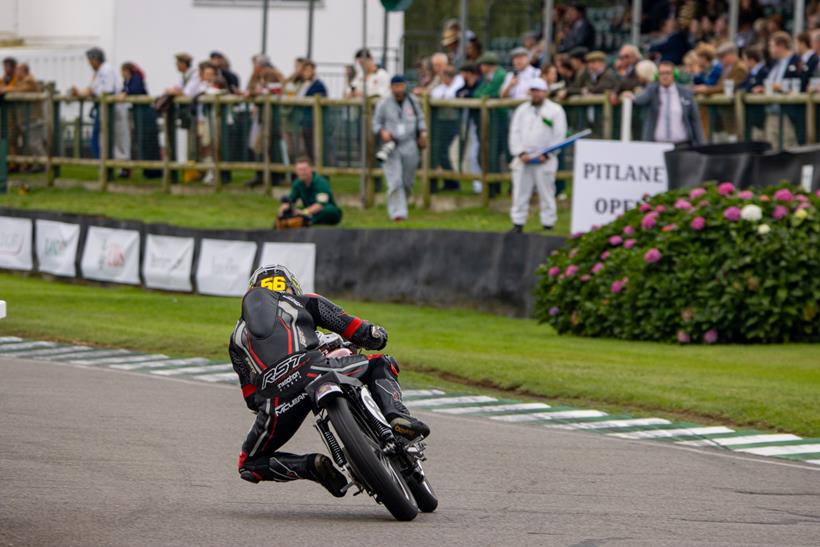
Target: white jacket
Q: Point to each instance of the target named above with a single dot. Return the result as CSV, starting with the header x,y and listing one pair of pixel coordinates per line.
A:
x,y
533,129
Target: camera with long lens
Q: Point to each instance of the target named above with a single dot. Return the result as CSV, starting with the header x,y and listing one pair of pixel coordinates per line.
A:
x,y
385,150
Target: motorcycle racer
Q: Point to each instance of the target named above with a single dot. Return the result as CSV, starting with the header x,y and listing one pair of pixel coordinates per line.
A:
x,y
277,330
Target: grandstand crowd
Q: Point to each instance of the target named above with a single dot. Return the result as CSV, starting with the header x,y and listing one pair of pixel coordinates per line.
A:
x,y
692,35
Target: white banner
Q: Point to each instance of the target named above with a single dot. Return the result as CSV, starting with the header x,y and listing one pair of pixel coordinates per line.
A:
x,y
57,247
112,255
610,177
15,243
299,258
224,266
167,262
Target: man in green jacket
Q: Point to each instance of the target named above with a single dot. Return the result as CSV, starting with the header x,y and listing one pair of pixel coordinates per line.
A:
x,y
314,194
492,80
492,77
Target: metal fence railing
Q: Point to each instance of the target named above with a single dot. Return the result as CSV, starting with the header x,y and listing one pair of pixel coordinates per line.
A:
x,y
216,135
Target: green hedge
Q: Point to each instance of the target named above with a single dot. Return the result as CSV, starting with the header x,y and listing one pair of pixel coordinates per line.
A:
x,y
708,265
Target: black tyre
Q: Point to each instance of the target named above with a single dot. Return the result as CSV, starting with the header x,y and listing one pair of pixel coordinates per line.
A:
x,y
423,493
370,463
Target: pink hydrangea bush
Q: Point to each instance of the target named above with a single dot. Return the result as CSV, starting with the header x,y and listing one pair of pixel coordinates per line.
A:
x,y
689,267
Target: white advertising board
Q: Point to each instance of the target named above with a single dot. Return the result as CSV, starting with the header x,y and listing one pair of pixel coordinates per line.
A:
x,y
56,244
167,262
610,177
15,243
224,267
299,258
111,254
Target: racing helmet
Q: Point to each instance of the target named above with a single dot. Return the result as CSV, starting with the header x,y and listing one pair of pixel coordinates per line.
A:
x,y
275,278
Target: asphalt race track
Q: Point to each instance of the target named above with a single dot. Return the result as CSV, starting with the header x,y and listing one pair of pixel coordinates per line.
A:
x,y
102,457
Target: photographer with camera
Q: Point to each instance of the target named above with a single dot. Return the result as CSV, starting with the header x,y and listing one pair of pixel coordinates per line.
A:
x,y
314,194
399,123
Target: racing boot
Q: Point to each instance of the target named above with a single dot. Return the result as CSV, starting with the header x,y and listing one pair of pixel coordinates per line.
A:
x,y
282,467
387,393
325,473
409,427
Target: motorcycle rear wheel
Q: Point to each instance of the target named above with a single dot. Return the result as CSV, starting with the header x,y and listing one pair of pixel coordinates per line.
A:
x,y
374,467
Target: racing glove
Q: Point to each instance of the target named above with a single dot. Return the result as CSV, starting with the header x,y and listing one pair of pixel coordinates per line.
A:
x,y
379,336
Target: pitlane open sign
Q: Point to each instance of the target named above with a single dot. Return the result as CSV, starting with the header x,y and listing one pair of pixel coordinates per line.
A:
x,y
610,177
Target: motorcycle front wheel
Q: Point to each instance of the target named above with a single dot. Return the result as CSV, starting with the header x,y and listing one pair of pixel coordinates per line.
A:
x,y
370,463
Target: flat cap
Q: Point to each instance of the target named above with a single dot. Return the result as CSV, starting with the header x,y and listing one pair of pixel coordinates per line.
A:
x,y
488,58
595,56
517,52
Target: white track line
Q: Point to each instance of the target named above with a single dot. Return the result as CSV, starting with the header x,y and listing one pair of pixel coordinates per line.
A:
x,y
93,355
47,352
813,462
782,450
164,363
422,392
219,377
24,345
558,415
105,361
746,439
664,433
451,400
612,424
9,339
192,370
492,408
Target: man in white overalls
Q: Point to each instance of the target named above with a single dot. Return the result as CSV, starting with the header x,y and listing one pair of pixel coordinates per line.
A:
x,y
535,125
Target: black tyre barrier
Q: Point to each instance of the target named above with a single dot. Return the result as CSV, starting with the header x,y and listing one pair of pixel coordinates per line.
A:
x,y
482,270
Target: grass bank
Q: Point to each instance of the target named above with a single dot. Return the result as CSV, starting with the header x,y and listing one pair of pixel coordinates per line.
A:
x,y
767,387
237,208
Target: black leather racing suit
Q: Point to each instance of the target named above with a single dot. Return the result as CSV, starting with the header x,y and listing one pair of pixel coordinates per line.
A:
x,y
275,326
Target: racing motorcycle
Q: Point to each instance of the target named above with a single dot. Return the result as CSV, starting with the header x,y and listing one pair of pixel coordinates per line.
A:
x,y
385,466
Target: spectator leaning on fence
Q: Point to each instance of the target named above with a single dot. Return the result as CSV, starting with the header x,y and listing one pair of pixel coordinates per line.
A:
x,y
265,79
223,69
311,87
133,83
536,124
28,119
785,67
104,82
446,124
673,114
399,123
517,83
9,85
468,126
377,78
189,76
312,193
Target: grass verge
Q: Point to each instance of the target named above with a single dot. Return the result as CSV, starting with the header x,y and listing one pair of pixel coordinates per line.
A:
x,y
768,387
237,208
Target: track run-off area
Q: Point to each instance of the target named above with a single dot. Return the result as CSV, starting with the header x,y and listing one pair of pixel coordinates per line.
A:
x,y
93,455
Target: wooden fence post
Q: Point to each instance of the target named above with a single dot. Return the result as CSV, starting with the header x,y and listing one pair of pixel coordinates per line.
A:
x,y
167,150
216,141
426,154
102,139
48,113
484,154
370,144
267,129
318,134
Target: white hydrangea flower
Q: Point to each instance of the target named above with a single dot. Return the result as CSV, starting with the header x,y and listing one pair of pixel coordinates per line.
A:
x,y
751,212
763,229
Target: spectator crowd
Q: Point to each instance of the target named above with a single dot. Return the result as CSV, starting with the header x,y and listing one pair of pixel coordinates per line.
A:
x,y
686,52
